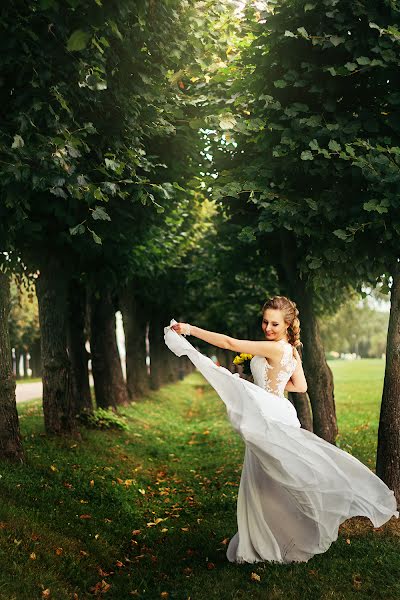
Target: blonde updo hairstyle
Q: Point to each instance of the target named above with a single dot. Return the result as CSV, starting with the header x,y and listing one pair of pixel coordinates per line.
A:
x,y
290,315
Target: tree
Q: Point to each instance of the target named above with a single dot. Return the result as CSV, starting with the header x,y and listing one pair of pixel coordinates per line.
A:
x,y
10,438
74,145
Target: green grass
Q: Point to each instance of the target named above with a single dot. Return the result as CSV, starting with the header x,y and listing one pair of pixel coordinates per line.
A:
x,y
82,515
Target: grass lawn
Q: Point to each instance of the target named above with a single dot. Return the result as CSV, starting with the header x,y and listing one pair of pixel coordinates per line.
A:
x,y
147,513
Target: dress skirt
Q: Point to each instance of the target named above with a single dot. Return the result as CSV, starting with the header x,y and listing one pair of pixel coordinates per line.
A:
x,y
295,488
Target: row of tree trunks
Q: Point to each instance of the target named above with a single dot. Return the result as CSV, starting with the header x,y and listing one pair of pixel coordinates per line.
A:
x,y
76,343
388,455
10,438
135,324
36,359
109,385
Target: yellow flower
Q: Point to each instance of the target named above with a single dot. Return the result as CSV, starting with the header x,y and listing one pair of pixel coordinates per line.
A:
x,y
238,360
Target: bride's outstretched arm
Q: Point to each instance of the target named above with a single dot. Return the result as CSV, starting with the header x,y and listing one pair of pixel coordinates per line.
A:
x,y
268,349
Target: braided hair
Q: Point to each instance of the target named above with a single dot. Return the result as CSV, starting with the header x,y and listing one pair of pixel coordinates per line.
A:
x,y
290,315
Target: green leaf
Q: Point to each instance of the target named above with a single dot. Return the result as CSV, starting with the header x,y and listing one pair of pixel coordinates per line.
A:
x,y
77,230
302,31
100,214
308,6
115,30
227,122
57,191
280,83
312,203
341,234
334,146
289,33
18,142
78,40
313,144
375,205
350,66
306,155
96,238
363,60
112,164
247,235
336,40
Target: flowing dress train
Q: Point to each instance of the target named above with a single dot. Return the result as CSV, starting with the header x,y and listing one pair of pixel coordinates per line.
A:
x,y
295,488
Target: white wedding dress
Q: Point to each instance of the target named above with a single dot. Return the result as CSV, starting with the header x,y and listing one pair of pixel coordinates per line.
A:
x,y
295,488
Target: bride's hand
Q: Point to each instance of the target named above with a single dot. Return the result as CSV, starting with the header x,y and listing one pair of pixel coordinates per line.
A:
x,y
182,328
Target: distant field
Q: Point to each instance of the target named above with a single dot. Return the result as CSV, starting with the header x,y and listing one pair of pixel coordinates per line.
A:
x,y
358,394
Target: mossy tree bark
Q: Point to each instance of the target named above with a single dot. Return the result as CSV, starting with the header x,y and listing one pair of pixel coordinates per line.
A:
x,y
388,455
109,385
76,341
58,399
318,374
10,437
134,316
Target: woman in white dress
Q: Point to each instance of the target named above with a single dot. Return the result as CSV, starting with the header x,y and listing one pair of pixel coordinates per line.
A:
x,y
295,488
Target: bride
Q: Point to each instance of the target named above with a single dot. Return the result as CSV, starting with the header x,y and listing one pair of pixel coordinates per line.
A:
x,y
295,488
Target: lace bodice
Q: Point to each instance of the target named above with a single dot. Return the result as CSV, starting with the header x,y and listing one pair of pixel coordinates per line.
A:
x,y
274,378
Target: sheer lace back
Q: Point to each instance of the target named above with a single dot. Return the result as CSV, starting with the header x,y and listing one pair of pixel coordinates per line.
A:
x,y
274,378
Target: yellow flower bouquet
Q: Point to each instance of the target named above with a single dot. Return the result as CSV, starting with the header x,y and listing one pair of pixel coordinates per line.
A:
x,y
244,360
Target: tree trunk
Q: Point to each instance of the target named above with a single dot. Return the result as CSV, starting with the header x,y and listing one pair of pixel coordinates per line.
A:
x,y
76,347
18,354
10,438
109,385
58,407
318,374
158,366
36,359
134,318
388,455
302,406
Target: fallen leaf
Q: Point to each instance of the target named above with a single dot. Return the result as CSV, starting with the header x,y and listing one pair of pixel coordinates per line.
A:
x,y
101,586
83,553
32,556
53,468
185,528
58,551
164,595
91,482
348,541
164,529
136,532
119,564
141,491
210,566
255,577
225,541
46,593
85,516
